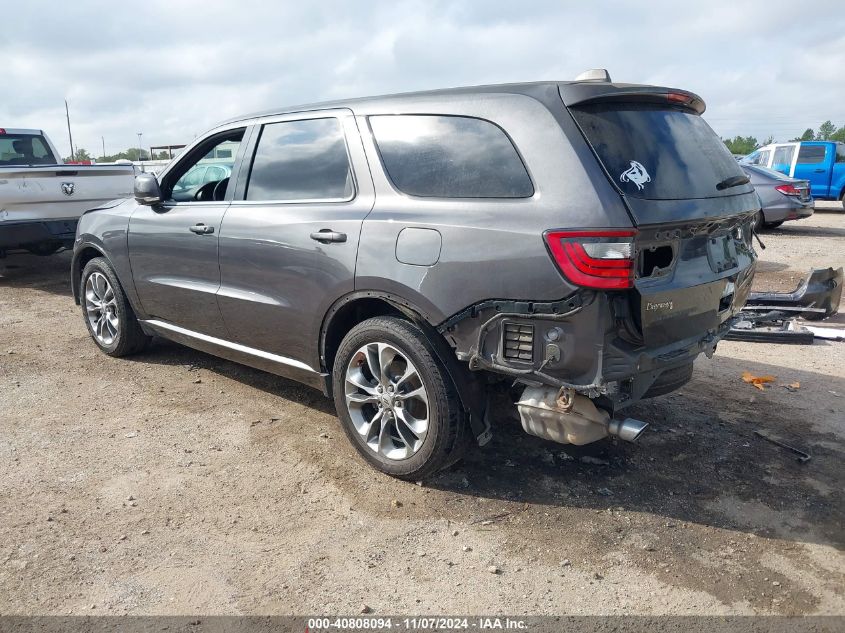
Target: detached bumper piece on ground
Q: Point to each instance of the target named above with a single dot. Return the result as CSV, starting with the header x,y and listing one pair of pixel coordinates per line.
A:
x,y
770,317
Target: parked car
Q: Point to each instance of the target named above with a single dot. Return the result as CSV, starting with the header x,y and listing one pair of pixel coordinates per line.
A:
x,y
822,163
195,184
782,198
410,254
41,199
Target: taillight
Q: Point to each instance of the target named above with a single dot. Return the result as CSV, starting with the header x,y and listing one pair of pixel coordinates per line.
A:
x,y
594,259
2,130
789,190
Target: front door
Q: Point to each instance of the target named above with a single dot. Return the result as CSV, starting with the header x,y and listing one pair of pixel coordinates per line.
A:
x,y
290,238
812,165
173,246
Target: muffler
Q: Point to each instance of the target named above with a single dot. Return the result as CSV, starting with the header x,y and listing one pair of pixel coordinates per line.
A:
x,y
567,417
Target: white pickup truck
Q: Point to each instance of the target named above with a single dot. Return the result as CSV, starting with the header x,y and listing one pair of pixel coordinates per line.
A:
x,y
41,198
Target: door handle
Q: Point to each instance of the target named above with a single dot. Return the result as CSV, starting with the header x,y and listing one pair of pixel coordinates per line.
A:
x,y
202,229
325,236
819,171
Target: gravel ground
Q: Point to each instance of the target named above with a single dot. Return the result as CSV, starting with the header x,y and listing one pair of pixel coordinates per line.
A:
x,y
178,483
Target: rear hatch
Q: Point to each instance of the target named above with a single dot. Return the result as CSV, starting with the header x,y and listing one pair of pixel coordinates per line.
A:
x,y
688,198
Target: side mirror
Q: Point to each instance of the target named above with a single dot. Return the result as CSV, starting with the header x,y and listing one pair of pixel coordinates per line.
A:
x,y
147,190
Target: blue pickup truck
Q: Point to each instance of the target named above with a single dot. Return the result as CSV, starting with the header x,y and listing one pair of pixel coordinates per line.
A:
x,y
820,162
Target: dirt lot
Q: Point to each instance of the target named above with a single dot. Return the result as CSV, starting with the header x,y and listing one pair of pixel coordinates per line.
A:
x,y
177,483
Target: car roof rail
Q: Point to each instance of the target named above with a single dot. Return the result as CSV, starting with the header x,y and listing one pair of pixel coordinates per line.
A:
x,y
594,74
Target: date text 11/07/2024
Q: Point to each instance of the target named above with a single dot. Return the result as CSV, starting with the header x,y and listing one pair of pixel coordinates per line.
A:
x,y
415,624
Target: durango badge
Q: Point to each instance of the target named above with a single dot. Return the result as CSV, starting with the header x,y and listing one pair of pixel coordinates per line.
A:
x,y
636,174
67,188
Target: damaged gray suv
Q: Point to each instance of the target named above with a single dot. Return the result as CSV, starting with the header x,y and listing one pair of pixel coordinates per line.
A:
x,y
409,255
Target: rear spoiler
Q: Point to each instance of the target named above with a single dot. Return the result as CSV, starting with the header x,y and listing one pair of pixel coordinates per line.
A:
x,y
583,92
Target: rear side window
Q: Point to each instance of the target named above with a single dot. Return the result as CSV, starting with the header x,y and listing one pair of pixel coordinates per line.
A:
x,y
658,153
811,154
301,160
783,157
450,157
840,153
25,149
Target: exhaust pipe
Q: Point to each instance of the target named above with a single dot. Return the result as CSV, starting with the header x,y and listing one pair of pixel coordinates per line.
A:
x,y
566,417
628,429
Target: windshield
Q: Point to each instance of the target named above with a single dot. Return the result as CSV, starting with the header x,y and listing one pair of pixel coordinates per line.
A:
x,y
658,153
25,149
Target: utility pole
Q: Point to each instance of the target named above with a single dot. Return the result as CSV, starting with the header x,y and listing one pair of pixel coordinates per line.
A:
x,y
140,149
103,139
69,135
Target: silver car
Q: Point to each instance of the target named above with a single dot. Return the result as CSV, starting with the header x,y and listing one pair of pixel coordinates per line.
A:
x,y
782,198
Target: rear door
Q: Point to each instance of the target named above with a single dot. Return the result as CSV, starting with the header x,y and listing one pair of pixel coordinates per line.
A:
x,y
289,240
692,205
173,247
814,164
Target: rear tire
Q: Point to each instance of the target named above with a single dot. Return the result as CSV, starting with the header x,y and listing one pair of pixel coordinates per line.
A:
x,y
772,225
107,313
396,401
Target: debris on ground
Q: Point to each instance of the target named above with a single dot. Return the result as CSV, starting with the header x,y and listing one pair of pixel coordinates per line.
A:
x,y
771,317
757,381
802,455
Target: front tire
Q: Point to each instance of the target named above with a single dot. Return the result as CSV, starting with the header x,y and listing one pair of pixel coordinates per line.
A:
x,y
396,401
107,313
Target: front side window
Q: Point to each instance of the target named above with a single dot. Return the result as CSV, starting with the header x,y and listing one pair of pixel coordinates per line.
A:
x,y
811,154
300,161
204,174
450,157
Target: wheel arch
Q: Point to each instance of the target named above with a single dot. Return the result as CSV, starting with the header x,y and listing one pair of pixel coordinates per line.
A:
x,y
355,307
358,306
81,256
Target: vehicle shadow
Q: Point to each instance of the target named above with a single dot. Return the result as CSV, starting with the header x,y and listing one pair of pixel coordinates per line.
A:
x,y
50,274
700,461
164,352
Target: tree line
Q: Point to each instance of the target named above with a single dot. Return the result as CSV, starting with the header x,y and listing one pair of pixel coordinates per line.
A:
x,y
747,144
82,154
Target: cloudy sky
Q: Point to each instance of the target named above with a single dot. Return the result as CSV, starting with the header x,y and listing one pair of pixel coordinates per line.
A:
x,y
172,68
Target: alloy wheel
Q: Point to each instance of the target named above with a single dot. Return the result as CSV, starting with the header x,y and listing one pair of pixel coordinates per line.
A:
x,y
387,401
101,308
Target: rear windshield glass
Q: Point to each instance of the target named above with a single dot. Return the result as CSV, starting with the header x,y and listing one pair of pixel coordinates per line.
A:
x,y
25,149
658,153
765,171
